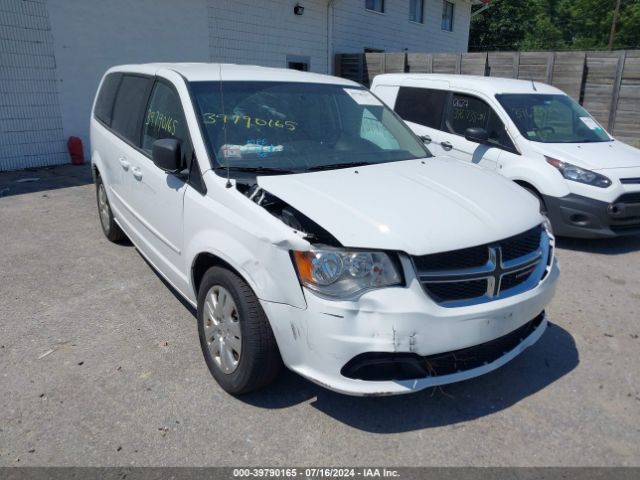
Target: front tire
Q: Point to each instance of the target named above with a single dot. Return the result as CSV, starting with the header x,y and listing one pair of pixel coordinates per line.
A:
x,y
235,335
110,228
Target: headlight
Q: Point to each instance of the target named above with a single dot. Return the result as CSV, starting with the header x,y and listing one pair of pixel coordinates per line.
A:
x,y
577,174
343,274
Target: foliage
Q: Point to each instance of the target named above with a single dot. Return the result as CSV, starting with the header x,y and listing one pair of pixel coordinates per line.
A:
x,y
554,25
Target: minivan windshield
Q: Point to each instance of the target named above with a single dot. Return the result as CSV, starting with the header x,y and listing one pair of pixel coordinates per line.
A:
x,y
552,119
288,127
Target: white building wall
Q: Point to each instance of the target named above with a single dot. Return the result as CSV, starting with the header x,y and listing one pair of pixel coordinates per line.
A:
x,y
356,28
54,52
92,35
30,123
264,33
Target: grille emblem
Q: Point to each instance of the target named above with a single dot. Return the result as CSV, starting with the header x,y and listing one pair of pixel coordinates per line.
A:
x,y
496,278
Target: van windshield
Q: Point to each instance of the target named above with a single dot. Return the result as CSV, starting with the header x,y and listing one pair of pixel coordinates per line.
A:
x,y
552,119
279,127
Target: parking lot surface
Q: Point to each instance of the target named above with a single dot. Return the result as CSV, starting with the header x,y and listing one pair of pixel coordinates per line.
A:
x,y
100,365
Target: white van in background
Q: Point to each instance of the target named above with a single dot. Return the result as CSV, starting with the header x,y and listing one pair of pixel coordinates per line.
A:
x,y
588,183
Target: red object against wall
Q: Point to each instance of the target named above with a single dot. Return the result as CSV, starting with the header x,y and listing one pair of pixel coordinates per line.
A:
x,y
74,144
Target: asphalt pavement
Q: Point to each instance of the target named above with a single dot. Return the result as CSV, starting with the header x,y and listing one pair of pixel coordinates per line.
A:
x,y
100,365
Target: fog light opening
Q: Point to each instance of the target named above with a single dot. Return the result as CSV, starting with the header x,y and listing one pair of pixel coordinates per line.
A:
x,y
579,219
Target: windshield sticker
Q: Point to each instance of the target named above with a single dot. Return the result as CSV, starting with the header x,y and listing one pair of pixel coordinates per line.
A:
x,y
258,147
249,121
590,123
157,121
363,97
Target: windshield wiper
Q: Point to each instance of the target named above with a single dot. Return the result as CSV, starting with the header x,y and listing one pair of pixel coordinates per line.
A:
x,y
337,165
258,169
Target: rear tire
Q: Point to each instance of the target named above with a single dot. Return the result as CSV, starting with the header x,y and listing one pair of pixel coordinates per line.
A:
x,y
235,335
110,228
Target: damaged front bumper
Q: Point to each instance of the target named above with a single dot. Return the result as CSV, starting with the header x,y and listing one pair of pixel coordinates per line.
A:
x,y
397,340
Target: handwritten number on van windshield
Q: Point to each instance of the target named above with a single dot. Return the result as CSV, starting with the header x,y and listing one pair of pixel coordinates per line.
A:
x,y
248,121
473,117
157,121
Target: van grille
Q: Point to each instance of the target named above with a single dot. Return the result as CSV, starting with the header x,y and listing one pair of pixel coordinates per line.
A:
x,y
486,272
629,198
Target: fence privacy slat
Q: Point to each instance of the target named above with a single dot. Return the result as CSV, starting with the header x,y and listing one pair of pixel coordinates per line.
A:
x,y
445,62
627,119
607,84
599,84
395,62
473,64
534,66
568,72
419,62
503,64
374,64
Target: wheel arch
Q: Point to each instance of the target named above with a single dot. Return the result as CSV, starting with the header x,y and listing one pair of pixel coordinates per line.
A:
x,y
203,262
534,190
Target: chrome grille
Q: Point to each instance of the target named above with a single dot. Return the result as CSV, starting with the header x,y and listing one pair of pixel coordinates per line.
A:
x,y
486,272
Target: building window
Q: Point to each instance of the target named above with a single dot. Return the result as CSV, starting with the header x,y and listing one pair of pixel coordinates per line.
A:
x,y
374,5
297,62
416,11
447,16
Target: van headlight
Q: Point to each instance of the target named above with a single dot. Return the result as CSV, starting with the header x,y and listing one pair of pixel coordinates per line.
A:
x,y
343,274
577,174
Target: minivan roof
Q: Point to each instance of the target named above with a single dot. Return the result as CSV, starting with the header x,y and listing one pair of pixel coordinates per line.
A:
x,y
487,85
196,72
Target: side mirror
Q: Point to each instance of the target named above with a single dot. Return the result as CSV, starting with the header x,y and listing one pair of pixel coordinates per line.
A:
x,y
167,155
476,134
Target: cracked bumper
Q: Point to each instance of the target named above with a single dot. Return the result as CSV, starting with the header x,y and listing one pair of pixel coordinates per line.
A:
x,y
317,342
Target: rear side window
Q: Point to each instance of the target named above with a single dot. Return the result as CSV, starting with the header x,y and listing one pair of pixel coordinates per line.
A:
x,y
423,106
129,106
164,118
104,104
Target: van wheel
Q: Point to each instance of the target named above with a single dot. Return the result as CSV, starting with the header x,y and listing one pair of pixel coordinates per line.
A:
x,y
110,228
235,335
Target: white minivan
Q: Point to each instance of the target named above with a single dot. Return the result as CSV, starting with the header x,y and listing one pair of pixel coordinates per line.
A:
x,y
308,225
588,183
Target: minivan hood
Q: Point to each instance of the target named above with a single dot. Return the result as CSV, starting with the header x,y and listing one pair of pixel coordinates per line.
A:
x,y
594,156
416,206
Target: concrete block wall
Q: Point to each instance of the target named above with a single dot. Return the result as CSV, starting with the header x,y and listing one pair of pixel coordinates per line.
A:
x,y
54,52
31,131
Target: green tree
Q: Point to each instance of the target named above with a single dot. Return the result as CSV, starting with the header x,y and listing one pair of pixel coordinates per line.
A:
x,y
554,25
501,27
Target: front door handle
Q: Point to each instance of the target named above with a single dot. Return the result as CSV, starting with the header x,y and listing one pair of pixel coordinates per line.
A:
x,y
124,164
446,146
426,139
137,173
